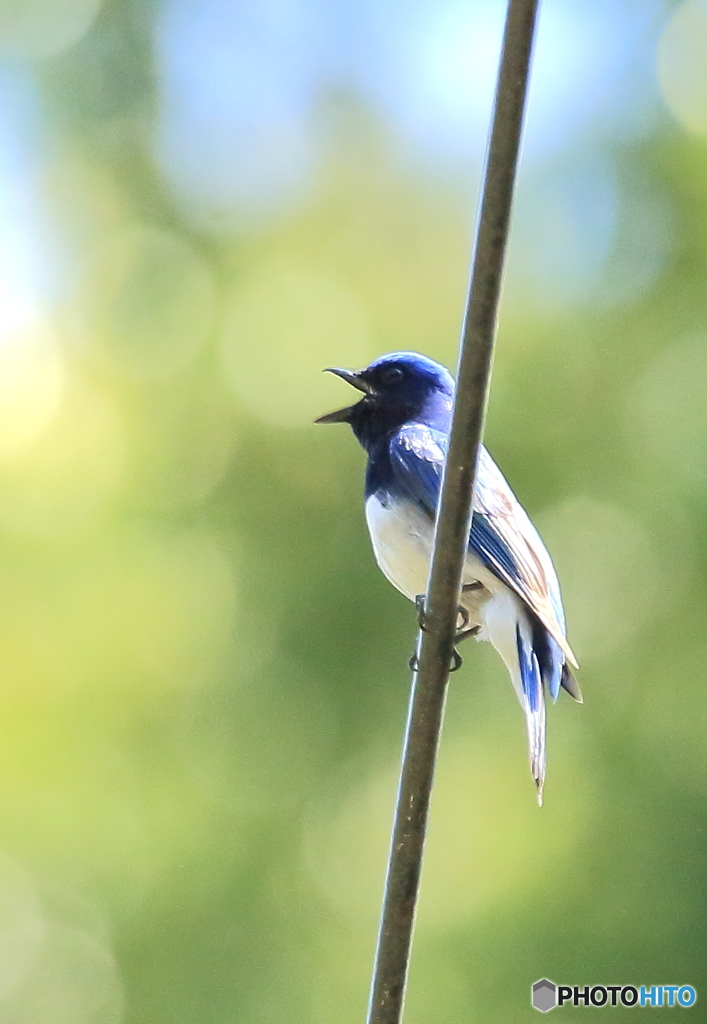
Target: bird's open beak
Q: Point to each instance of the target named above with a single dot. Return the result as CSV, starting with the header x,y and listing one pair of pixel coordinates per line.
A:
x,y
352,378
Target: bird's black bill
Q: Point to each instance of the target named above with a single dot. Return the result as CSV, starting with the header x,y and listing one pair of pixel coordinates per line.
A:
x,y
352,378
340,416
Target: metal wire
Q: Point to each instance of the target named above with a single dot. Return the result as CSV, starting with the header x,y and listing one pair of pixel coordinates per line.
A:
x,y
436,644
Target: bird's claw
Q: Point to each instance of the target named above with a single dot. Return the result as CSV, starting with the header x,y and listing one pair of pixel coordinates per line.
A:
x,y
463,631
461,611
464,634
456,661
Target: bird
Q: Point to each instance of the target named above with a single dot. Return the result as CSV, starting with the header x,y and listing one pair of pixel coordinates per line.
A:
x,y
510,594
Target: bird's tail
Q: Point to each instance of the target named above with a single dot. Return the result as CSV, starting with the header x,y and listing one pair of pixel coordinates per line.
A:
x,y
532,699
511,631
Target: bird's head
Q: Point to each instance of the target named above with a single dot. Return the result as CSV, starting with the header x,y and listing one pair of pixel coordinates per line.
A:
x,y
398,388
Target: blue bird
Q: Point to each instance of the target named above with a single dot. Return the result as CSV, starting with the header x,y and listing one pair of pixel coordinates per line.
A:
x,y
511,589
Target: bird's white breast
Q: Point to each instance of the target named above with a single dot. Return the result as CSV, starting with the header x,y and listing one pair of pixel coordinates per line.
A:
x,y
402,537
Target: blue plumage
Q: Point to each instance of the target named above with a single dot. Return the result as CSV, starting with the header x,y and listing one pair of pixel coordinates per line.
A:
x,y
403,422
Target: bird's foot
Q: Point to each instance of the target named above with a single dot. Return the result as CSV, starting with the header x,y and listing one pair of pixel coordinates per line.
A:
x,y
456,661
464,631
464,634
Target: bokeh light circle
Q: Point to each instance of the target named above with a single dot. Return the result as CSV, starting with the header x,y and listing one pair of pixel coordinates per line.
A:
x,y
682,65
147,302
42,28
610,572
32,378
285,324
70,472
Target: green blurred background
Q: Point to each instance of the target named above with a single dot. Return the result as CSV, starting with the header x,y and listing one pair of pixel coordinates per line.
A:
x,y
203,675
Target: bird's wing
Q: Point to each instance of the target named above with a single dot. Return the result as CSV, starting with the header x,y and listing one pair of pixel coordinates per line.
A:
x,y
502,535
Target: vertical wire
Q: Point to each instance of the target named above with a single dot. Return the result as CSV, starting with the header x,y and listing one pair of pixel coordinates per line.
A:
x,y
436,644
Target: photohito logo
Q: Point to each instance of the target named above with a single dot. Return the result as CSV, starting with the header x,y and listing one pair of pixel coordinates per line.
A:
x,y
546,995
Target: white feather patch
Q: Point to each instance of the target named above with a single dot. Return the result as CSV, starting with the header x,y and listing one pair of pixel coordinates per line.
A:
x,y
402,536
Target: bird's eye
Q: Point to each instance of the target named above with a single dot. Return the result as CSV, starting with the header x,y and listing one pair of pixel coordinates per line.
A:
x,y
392,375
